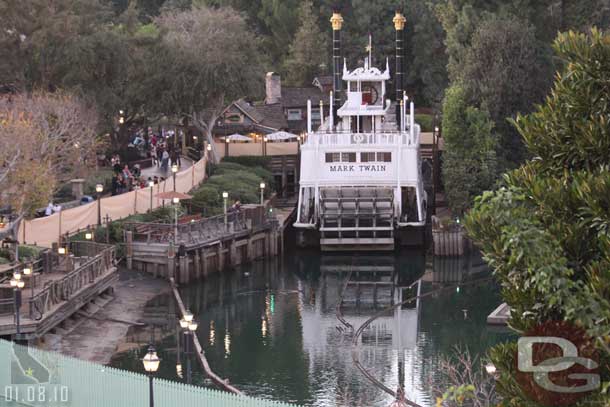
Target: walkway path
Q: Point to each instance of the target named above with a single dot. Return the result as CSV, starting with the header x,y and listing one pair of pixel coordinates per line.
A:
x,y
155,170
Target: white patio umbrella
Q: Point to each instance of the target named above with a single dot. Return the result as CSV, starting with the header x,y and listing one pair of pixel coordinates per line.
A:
x,y
281,135
238,137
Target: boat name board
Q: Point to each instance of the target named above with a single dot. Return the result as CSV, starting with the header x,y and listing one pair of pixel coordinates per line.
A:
x,y
367,168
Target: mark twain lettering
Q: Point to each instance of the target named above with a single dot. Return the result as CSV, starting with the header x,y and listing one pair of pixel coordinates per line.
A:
x,y
358,168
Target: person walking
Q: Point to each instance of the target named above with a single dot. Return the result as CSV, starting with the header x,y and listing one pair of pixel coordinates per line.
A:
x,y
159,154
175,156
153,155
164,160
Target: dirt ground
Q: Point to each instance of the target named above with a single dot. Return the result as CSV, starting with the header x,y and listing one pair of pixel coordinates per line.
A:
x,y
97,338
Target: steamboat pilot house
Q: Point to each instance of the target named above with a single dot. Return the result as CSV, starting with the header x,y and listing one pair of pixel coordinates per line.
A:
x,y
361,181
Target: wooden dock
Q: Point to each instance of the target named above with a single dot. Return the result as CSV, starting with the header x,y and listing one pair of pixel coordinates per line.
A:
x,y
59,287
193,250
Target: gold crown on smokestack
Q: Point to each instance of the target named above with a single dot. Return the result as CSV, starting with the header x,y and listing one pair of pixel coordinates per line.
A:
x,y
336,20
399,21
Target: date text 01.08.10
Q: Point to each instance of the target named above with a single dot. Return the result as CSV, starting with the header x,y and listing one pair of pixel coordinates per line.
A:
x,y
47,395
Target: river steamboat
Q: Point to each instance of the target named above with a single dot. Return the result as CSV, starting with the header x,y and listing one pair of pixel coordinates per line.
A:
x,y
361,182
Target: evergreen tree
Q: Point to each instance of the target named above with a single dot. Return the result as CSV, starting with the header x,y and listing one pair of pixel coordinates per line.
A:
x,y
308,51
506,70
546,233
469,161
279,19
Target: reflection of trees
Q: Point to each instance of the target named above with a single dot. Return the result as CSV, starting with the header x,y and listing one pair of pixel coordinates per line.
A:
x,y
295,352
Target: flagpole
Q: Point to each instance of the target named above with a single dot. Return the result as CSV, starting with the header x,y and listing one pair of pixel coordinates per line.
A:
x,y
370,50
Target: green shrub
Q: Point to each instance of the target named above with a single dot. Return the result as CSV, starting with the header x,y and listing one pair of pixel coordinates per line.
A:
x,y
249,160
29,252
6,254
103,176
207,200
224,167
426,121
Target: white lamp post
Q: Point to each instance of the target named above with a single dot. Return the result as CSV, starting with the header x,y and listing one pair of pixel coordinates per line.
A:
x,y
17,284
151,364
99,188
225,195
176,202
174,171
188,316
29,273
151,185
262,185
189,326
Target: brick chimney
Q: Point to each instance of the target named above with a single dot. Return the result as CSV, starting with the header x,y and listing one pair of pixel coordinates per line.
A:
x,y
273,88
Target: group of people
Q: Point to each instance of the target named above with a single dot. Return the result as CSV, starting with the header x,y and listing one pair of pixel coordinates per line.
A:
x,y
162,155
51,209
125,179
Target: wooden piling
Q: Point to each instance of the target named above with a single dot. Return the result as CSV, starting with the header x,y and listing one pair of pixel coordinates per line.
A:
x,y
219,257
129,248
197,265
184,269
204,262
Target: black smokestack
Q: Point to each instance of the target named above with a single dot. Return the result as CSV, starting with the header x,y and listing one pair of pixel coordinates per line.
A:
x,y
337,22
399,24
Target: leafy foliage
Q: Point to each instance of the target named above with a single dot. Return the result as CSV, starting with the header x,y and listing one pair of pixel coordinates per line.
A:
x,y
469,161
45,139
308,51
240,181
249,160
546,232
426,121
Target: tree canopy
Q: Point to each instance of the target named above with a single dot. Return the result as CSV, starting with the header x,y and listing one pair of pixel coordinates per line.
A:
x,y
211,58
308,51
469,165
45,139
546,232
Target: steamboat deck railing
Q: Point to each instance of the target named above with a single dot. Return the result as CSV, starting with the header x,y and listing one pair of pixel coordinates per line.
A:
x,y
349,138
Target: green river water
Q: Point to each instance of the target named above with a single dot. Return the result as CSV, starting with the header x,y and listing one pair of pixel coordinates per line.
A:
x,y
272,327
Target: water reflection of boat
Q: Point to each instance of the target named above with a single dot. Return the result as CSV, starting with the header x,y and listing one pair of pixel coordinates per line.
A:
x,y
363,286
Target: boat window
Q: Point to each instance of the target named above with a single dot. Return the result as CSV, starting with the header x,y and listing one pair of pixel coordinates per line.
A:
x,y
367,157
348,157
333,157
384,157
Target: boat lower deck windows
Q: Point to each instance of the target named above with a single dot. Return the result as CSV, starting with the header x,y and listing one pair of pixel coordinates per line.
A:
x,y
333,157
348,157
367,157
384,157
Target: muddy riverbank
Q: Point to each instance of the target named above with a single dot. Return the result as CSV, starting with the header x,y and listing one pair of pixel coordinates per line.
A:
x,y
97,335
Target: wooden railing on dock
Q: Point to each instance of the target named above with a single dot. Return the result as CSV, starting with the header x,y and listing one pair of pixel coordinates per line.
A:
x,y
59,286
196,231
99,259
